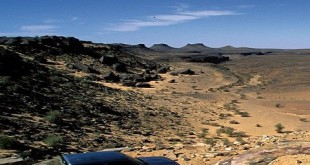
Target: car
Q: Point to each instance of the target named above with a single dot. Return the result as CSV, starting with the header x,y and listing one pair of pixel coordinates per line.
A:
x,y
113,158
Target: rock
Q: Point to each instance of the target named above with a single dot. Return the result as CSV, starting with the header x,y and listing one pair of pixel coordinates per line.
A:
x,y
143,85
110,77
174,139
172,81
183,71
228,149
163,69
210,155
108,59
237,143
119,67
40,59
84,68
13,41
186,159
15,161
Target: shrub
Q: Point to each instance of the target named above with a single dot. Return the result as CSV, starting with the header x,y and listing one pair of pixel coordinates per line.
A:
x,y
53,140
244,114
226,142
227,130
7,142
210,141
53,116
203,133
4,80
278,105
303,120
240,139
279,127
260,97
258,125
242,96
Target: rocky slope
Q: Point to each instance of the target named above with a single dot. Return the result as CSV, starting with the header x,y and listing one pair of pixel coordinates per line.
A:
x,y
52,99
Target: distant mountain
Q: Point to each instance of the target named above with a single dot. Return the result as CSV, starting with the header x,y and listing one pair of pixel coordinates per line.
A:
x,y
194,48
162,47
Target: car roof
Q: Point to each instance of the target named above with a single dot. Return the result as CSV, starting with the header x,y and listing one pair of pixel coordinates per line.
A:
x,y
93,157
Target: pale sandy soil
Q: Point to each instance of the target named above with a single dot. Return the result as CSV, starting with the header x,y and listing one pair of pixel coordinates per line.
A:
x,y
292,160
190,97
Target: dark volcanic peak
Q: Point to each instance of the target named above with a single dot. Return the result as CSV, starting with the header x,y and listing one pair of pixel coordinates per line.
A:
x,y
228,47
194,48
161,47
131,46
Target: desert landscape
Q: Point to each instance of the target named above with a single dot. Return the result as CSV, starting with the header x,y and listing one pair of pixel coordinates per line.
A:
x,y
195,104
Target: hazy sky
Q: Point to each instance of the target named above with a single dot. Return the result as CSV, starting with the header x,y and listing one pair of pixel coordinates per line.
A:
x,y
216,23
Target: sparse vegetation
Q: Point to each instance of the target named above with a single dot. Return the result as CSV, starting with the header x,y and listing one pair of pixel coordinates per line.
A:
x,y
226,142
279,127
258,125
242,96
53,116
278,105
53,141
224,116
4,80
260,97
203,133
244,114
303,120
210,141
7,142
229,131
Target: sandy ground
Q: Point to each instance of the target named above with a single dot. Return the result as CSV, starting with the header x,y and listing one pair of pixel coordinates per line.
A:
x,y
191,97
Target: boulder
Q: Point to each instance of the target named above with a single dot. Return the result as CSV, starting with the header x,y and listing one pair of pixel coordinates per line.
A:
x,y
183,71
40,59
84,68
110,77
108,59
143,85
163,69
119,67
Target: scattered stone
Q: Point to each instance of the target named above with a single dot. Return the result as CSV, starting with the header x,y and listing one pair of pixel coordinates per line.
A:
x,y
172,81
163,69
183,71
108,59
119,67
110,77
143,85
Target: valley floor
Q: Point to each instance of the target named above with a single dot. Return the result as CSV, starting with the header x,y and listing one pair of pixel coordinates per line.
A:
x,y
231,108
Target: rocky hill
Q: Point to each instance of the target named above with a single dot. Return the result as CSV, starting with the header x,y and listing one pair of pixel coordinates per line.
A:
x,y
52,96
162,47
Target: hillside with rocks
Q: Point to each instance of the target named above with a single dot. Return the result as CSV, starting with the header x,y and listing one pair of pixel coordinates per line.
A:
x,y
195,105
51,90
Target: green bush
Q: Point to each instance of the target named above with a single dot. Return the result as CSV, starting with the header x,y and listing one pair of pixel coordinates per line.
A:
x,y
53,116
53,140
244,114
7,142
203,133
227,130
210,141
303,120
4,80
279,127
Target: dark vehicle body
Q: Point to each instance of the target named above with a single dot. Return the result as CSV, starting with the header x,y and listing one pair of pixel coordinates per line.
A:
x,y
113,158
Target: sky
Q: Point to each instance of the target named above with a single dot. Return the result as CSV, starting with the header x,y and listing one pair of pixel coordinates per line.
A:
x,y
215,23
